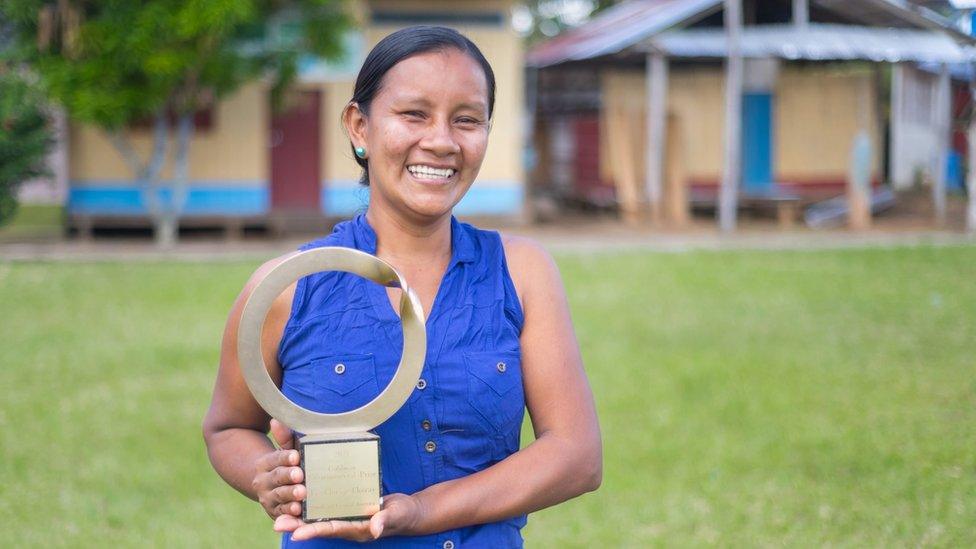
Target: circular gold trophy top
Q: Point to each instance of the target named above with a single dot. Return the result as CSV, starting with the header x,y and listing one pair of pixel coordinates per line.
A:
x,y
255,371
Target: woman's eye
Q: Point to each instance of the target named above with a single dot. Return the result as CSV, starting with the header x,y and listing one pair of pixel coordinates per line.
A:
x,y
414,114
468,121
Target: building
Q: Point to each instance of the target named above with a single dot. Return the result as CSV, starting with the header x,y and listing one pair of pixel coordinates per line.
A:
x,y
817,77
295,169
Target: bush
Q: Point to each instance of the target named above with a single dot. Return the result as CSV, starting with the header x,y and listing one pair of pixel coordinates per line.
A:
x,y
24,138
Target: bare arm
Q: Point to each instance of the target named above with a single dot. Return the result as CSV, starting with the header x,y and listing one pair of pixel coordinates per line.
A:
x,y
235,426
565,460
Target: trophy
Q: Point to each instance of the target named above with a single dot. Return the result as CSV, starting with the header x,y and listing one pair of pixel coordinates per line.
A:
x,y
339,454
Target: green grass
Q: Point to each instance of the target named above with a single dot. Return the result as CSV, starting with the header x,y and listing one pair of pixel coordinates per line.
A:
x,y
33,222
746,398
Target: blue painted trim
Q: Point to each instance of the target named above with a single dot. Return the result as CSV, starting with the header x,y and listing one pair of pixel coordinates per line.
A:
x,y
343,201
491,201
201,200
757,143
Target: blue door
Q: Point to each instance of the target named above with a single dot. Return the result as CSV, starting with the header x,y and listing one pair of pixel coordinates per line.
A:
x,y
757,143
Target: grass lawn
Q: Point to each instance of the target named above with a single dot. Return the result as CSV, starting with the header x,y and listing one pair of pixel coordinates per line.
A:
x,y
33,222
746,398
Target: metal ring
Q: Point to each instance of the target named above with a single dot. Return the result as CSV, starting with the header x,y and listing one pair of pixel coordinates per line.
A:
x,y
255,372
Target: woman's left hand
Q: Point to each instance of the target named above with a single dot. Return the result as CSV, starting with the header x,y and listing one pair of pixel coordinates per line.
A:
x,y
400,515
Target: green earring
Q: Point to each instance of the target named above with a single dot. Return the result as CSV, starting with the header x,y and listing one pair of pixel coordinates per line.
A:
x,y
361,152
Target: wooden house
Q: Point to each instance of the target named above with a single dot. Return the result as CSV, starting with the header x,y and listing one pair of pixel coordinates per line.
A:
x,y
251,166
633,103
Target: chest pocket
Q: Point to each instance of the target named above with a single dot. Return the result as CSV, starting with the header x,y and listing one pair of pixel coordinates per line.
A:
x,y
344,382
495,387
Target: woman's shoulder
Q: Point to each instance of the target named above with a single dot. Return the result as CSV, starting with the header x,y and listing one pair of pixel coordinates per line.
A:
x,y
529,264
523,252
520,250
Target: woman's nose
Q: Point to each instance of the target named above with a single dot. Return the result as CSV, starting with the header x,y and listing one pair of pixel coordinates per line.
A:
x,y
439,139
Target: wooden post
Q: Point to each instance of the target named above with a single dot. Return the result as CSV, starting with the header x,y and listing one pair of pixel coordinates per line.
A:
x,y
728,195
801,13
971,171
896,118
676,190
623,151
859,183
943,139
657,106
861,166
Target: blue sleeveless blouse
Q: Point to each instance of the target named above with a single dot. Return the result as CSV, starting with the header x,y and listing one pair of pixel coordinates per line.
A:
x,y
465,413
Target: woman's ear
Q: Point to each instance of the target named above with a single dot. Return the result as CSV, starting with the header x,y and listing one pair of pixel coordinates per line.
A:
x,y
354,121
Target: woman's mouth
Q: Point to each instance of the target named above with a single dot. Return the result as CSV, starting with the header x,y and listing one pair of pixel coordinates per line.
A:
x,y
430,173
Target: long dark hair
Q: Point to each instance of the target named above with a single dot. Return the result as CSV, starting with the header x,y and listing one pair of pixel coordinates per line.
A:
x,y
406,43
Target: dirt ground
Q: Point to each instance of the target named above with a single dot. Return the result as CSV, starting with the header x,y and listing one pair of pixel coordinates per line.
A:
x,y
909,223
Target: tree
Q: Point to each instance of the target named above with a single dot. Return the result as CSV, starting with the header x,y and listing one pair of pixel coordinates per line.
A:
x,y
542,19
119,63
24,137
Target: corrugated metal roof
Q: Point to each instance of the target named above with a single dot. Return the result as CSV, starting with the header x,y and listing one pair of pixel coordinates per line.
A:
x,y
818,42
634,22
964,72
618,28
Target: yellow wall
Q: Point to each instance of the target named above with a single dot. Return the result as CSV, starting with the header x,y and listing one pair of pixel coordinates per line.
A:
x,y
817,114
697,98
338,162
623,135
234,150
503,49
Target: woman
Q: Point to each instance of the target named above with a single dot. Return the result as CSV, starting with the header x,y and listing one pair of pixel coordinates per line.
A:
x,y
499,332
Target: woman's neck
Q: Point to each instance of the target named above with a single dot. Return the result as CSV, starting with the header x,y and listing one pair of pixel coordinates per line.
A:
x,y
406,242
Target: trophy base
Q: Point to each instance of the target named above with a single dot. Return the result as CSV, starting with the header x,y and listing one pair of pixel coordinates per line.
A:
x,y
342,476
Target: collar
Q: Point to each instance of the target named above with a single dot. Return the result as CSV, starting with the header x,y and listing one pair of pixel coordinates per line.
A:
x,y
462,243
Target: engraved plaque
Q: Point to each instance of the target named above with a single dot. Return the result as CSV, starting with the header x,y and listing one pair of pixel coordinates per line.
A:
x,y
342,477
339,456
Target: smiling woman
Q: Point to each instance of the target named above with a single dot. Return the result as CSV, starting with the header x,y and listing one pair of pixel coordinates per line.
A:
x,y
426,133
500,338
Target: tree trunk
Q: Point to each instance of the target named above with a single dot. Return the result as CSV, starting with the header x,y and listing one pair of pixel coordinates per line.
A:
x,y
150,183
147,173
166,231
167,218
971,177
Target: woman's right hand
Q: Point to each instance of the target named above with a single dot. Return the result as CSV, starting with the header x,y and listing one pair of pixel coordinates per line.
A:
x,y
278,477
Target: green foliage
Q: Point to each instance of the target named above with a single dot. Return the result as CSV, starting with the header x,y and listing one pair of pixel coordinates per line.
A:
x,y
551,17
112,62
24,138
746,399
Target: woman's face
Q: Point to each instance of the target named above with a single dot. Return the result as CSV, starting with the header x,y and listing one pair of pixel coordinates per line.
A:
x,y
426,133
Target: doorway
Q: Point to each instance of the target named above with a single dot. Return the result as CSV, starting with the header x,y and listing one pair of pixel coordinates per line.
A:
x,y
296,157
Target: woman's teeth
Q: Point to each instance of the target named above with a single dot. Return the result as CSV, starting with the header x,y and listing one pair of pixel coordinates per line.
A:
x,y
427,172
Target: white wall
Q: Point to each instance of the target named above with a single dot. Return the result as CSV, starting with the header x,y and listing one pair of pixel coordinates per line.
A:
x,y
914,125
